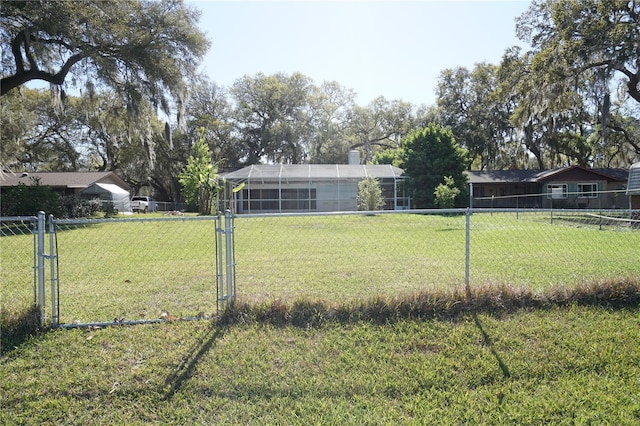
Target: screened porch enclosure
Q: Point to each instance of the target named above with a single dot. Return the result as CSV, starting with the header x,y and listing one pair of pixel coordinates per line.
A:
x,y
309,188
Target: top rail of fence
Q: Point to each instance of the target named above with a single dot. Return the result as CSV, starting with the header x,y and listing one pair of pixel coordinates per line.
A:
x,y
133,219
355,213
17,218
445,212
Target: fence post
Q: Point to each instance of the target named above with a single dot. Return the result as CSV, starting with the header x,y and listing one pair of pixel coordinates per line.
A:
x,y
219,270
41,256
53,257
228,231
467,256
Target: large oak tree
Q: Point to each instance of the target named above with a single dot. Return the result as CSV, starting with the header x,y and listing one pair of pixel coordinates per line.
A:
x,y
143,49
589,42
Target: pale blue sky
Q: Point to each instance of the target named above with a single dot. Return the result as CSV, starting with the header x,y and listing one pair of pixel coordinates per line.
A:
x,y
394,49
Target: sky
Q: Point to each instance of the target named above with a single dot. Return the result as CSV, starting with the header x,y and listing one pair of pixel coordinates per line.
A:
x,y
395,49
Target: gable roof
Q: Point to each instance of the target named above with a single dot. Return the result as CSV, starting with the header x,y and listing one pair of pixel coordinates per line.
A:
x,y
71,180
536,176
297,172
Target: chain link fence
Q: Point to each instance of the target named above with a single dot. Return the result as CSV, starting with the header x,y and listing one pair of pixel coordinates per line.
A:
x,y
18,263
344,257
148,268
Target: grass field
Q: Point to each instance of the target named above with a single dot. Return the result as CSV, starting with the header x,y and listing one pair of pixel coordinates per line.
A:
x,y
143,269
340,320
570,365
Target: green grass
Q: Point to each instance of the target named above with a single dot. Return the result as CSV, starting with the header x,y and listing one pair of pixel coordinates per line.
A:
x,y
340,320
143,269
560,365
344,258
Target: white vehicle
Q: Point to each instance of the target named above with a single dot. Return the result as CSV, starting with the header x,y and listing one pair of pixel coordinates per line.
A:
x,y
142,203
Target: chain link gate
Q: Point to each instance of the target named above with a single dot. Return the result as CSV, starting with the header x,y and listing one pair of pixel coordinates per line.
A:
x,y
69,291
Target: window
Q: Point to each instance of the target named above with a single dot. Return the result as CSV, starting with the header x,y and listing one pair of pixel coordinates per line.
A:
x,y
587,190
273,199
557,191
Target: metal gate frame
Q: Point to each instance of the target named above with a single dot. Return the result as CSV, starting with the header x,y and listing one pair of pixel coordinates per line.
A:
x,y
226,261
225,268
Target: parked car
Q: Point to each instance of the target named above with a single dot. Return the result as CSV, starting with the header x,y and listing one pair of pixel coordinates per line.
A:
x,y
143,203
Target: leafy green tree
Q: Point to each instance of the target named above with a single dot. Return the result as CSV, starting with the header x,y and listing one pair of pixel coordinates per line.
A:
x,y
199,178
272,117
209,110
583,35
331,105
580,49
427,156
389,156
469,104
380,125
369,195
143,49
446,193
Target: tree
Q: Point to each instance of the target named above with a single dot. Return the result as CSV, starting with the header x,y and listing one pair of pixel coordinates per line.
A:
x,y
369,197
446,193
143,49
577,43
585,35
198,178
18,120
331,105
469,103
427,156
209,110
272,117
379,126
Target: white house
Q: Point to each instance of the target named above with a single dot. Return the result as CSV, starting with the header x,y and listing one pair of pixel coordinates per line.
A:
x,y
279,188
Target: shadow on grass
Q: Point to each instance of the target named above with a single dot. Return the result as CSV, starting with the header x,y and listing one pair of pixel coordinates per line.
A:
x,y
489,343
186,368
17,327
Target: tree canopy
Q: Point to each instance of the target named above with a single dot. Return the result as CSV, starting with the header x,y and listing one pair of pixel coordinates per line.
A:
x,y
140,48
572,98
577,36
429,155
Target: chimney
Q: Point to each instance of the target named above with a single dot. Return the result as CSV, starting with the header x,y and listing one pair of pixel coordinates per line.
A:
x,y
354,157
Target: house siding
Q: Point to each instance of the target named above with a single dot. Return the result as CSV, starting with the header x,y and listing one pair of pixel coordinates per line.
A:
x,y
527,189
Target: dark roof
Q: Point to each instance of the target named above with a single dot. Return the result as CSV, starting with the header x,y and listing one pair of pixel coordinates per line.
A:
x,y
502,176
72,180
534,176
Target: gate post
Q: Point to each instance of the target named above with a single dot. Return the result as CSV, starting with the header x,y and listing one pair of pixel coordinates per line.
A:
x,y
219,271
230,257
225,262
41,256
53,257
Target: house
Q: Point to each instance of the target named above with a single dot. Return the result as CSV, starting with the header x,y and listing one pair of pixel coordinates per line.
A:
x,y
566,187
106,186
276,188
633,186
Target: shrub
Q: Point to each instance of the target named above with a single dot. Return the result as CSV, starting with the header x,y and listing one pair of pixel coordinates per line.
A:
x,y
446,193
369,195
28,200
79,207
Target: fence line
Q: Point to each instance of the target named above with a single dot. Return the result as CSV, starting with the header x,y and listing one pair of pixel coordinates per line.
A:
x,y
142,269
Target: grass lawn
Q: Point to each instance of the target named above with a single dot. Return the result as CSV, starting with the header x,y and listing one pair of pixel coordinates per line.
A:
x,y
563,365
142,269
576,361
